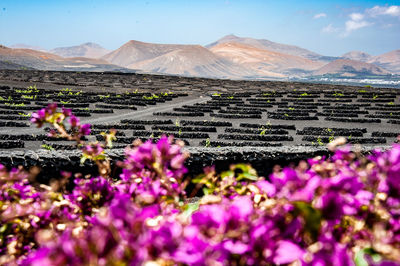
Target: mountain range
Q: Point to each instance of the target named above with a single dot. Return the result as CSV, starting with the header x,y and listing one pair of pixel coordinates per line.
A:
x,y
14,58
188,60
389,61
229,57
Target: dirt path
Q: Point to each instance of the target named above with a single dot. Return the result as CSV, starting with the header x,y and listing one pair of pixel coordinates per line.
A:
x,y
148,112
115,118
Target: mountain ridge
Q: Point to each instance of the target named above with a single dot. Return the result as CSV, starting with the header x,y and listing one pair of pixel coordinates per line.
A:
x,y
229,57
176,59
263,61
273,46
357,55
350,68
88,49
389,61
47,61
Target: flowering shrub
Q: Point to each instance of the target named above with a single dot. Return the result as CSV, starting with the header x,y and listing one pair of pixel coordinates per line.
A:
x,y
75,131
343,210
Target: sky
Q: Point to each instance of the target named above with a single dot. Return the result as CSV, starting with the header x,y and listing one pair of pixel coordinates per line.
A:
x,y
327,27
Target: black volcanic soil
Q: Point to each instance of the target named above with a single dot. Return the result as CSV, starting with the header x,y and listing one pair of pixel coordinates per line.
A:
x,y
222,121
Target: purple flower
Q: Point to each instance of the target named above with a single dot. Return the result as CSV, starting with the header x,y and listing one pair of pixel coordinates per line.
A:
x,y
317,213
38,258
237,247
241,208
91,193
342,154
288,252
331,253
307,192
332,205
74,121
266,187
93,150
85,129
66,112
51,108
39,117
158,170
287,175
177,161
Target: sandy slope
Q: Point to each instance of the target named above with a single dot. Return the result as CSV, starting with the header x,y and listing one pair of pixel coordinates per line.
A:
x,y
264,62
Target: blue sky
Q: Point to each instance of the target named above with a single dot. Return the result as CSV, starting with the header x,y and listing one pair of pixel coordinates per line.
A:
x,y
326,27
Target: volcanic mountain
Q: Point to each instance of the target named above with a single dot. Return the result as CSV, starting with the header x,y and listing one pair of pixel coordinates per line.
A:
x,y
357,56
265,62
190,60
389,61
274,47
90,50
47,61
350,68
135,51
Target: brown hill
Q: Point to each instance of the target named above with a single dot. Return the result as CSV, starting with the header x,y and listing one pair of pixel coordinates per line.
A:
x,y
190,60
135,51
265,62
389,61
89,50
346,67
29,58
47,61
274,47
357,56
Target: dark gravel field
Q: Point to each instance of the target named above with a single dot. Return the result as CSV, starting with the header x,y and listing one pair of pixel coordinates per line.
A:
x,y
221,121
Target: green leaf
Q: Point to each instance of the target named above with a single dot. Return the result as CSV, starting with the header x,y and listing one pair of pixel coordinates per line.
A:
x,y
199,179
190,209
227,174
247,176
3,228
311,216
207,191
83,158
248,172
359,258
99,157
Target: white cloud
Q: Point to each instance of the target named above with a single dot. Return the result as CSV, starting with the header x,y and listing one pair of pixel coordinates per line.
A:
x,y
329,29
356,22
356,16
352,25
384,10
364,19
320,15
